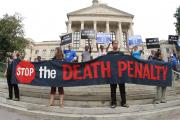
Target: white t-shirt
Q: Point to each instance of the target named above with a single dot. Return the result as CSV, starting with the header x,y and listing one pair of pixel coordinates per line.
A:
x,y
100,53
86,56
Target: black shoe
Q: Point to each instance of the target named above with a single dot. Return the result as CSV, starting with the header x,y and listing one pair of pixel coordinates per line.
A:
x,y
16,99
8,98
125,105
113,106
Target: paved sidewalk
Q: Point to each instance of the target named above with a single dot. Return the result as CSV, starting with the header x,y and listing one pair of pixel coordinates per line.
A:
x,y
13,115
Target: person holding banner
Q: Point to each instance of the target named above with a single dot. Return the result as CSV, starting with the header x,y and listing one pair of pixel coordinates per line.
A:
x,y
114,86
102,51
86,55
137,53
58,56
160,90
151,57
11,86
70,55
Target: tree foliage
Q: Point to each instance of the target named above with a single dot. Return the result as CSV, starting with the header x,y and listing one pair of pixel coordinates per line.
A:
x,y
177,24
11,35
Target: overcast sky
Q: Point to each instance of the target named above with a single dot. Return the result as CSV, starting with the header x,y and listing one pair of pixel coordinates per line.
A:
x,y
45,19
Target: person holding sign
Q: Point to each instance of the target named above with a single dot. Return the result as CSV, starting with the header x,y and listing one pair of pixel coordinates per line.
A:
x,y
86,55
114,86
102,51
58,56
137,53
151,57
70,55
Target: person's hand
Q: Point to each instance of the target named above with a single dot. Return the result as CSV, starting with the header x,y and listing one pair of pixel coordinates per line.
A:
x,y
127,53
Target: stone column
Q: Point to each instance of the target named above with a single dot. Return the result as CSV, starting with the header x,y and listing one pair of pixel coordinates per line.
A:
x,y
95,29
107,27
69,30
82,25
119,35
130,30
95,26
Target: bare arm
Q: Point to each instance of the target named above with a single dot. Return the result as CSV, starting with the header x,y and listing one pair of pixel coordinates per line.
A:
x,y
5,73
108,47
90,49
127,53
97,47
82,58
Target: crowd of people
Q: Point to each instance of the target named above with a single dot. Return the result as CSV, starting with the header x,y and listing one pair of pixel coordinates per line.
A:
x,y
70,55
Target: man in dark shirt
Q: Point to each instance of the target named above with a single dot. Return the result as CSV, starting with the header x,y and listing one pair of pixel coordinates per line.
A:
x,y
114,86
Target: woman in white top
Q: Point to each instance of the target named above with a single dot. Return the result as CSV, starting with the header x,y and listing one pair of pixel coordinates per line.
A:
x,y
102,51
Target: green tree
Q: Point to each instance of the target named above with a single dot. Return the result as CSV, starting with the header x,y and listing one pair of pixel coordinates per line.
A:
x,y
11,35
177,24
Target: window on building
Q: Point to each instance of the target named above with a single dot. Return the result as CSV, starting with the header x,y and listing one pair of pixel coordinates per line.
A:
x,y
52,52
124,38
76,40
167,50
37,52
90,41
113,35
100,32
44,52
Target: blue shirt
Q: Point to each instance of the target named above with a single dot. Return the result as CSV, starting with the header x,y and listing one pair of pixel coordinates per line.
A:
x,y
137,54
174,61
69,55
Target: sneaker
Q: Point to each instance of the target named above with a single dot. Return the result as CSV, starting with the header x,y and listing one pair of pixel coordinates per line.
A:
x,y
16,99
156,102
113,106
163,101
125,105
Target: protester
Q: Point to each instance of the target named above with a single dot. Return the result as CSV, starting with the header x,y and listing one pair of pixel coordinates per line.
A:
x,y
15,56
151,57
160,90
39,58
70,55
137,53
8,76
58,56
114,86
86,55
173,61
102,51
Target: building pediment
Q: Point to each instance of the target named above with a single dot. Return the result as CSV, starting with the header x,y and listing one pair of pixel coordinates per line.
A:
x,y
100,9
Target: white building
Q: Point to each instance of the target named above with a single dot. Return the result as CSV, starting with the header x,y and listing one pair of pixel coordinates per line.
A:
x,y
44,49
99,17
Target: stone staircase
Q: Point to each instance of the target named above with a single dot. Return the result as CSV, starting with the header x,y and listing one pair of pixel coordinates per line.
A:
x,y
92,102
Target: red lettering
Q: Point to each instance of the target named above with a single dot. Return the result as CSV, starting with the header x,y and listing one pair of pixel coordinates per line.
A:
x,y
153,77
95,65
164,70
130,69
67,72
146,72
87,72
158,68
138,70
121,67
105,70
76,72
